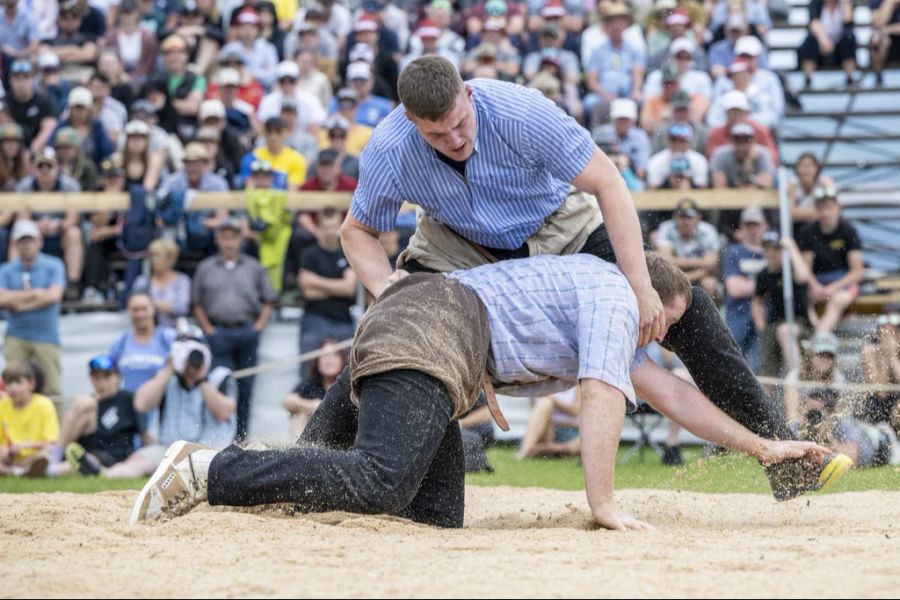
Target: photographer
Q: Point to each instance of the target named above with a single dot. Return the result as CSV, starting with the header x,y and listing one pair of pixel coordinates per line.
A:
x,y
196,403
866,444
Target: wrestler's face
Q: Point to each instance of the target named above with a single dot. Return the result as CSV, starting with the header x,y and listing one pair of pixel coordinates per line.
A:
x,y
673,310
454,135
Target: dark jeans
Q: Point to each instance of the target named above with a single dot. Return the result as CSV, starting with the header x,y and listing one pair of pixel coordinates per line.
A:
x,y
96,264
236,348
400,454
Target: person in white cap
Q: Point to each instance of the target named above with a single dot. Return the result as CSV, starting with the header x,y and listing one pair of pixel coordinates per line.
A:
x,y
736,108
750,48
50,82
754,11
237,95
310,113
743,163
371,109
677,26
722,53
94,141
684,54
595,35
261,57
633,141
432,38
31,289
746,96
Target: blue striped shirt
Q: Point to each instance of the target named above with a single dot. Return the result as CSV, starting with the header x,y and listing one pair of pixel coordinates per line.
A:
x,y
555,320
527,151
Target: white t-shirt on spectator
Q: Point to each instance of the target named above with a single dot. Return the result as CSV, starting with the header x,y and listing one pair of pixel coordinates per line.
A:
x,y
762,109
659,166
308,108
705,240
594,35
691,81
766,81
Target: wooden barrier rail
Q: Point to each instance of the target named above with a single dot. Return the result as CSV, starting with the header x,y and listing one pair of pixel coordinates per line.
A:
x,y
103,201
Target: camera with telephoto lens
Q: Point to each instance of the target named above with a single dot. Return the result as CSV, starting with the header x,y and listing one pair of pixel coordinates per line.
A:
x,y
195,359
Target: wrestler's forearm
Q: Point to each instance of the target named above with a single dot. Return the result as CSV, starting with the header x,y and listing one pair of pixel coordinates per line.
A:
x,y
600,425
366,255
687,406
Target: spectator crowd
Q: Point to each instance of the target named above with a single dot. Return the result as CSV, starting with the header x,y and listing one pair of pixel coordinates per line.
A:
x,y
161,99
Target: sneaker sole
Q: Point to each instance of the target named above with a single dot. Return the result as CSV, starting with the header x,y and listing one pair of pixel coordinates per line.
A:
x,y
174,455
836,468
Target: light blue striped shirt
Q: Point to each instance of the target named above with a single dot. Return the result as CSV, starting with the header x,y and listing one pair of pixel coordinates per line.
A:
x,y
527,151
555,320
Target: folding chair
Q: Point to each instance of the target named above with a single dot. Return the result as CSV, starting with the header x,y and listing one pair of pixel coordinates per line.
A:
x,y
646,420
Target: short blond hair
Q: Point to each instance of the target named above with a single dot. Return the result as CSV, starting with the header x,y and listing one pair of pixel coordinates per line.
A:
x,y
167,247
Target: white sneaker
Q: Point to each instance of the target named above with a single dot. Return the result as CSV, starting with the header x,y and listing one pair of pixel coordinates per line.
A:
x,y
177,485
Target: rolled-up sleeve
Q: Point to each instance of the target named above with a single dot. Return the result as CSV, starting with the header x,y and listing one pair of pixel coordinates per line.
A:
x,y
555,139
377,199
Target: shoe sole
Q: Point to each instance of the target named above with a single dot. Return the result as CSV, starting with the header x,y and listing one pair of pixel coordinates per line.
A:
x,y
174,455
836,468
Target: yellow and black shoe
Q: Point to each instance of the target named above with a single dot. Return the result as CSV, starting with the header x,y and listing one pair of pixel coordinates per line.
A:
x,y
791,478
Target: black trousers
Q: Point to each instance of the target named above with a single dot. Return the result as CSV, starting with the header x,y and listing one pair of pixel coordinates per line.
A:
x,y
400,454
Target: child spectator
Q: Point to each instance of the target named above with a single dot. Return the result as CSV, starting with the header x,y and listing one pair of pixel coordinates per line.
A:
x,y
28,424
302,403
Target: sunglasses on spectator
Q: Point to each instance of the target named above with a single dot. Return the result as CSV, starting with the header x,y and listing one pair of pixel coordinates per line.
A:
x,y
232,63
287,80
45,166
824,192
102,363
337,135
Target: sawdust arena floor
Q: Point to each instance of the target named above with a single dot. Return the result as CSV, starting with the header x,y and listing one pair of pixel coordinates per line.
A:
x,y
517,542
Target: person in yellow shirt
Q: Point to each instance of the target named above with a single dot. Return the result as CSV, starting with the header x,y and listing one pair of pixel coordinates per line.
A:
x,y
283,158
28,424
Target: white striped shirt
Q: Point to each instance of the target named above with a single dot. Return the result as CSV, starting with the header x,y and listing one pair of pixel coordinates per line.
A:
x,y
527,151
555,320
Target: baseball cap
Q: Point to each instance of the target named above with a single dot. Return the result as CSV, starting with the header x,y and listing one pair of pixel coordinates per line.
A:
x,y
687,207
554,9
12,131
48,60
336,122
665,5
771,239
428,29
48,156
228,76
753,214
102,363
137,127
823,342
742,130
550,30
365,22
81,96
623,108
496,8
305,26
738,65
190,8
678,17
287,68
232,53
682,45
195,151
495,24
681,131
605,138
143,106
211,109
616,10
359,70
25,228
68,6
231,223
362,52
247,16
67,136
680,164
735,99
347,94
748,45
681,99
